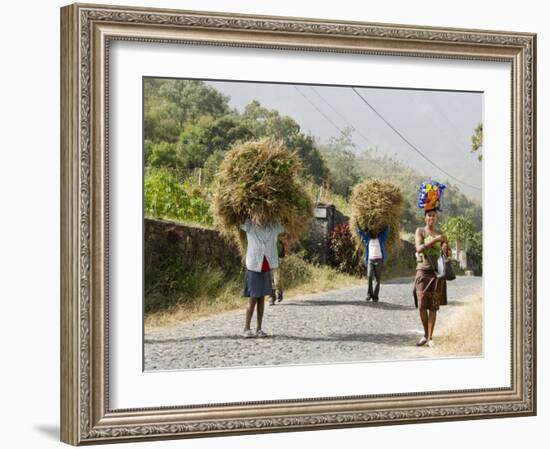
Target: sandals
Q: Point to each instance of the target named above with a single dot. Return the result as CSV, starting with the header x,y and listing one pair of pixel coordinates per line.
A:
x,y
422,341
251,334
260,334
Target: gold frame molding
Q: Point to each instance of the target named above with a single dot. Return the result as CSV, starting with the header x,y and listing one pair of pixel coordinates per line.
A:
x,y
86,32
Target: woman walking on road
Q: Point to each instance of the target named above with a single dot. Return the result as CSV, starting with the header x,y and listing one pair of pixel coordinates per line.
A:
x,y
261,258
260,191
429,291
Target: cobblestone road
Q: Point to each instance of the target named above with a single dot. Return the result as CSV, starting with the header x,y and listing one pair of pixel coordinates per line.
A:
x,y
335,326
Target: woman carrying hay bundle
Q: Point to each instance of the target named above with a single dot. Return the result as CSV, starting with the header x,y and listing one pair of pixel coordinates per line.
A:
x,y
429,292
261,259
376,209
259,196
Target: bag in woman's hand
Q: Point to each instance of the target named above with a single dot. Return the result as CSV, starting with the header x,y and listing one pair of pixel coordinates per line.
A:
x,y
445,268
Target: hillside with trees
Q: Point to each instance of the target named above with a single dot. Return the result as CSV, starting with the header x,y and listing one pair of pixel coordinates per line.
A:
x,y
189,125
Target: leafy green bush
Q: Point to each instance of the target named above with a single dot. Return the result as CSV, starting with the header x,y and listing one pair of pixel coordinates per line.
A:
x,y
164,154
167,198
295,270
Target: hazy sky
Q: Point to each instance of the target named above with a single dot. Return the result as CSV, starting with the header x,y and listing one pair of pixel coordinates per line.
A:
x,y
438,123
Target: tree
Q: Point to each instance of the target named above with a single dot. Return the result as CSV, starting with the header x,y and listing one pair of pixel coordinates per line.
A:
x,y
188,100
314,164
270,123
475,252
477,141
158,125
341,159
459,229
208,135
164,154
170,104
212,165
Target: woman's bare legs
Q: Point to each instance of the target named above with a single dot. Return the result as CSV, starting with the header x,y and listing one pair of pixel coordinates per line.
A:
x,y
249,312
431,323
424,319
260,312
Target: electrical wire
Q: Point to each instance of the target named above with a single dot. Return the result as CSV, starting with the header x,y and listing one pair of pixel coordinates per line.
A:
x,y
353,128
334,124
411,145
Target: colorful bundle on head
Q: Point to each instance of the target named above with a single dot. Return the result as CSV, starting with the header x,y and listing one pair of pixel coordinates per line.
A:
x,y
431,195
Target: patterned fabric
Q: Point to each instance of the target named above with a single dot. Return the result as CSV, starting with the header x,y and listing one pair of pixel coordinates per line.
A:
x,y
429,292
431,195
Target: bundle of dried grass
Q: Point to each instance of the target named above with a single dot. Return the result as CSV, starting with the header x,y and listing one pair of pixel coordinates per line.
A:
x,y
376,204
260,180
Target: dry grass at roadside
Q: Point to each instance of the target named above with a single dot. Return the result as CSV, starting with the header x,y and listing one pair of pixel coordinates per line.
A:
x,y
462,334
321,279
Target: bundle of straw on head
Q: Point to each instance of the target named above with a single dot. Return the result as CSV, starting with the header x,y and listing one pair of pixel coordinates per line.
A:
x,y
375,205
260,180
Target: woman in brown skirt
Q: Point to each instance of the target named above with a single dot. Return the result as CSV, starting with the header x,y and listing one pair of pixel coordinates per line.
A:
x,y
429,291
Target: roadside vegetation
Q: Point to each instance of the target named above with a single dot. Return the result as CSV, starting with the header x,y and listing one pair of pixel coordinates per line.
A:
x,y
188,128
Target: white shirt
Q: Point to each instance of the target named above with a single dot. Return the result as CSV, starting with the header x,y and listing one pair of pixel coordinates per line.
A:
x,y
374,249
262,241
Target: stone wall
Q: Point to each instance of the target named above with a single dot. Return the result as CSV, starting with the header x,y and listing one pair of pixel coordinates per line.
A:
x,y
167,241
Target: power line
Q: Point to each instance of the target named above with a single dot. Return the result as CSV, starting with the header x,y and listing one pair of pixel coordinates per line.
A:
x,y
318,110
353,128
334,124
411,145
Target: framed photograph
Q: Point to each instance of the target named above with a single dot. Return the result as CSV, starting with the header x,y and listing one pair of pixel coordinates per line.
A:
x,y
281,224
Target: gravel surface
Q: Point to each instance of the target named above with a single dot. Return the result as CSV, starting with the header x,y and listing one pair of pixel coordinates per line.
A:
x,y
335,326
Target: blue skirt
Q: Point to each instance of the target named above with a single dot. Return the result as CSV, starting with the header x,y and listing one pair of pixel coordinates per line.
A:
x,y
257,284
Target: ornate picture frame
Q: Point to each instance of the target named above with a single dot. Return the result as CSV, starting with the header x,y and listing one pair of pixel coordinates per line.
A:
x,y
87,31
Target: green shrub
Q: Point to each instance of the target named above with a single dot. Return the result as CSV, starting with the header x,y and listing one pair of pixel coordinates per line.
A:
x,y
172,284
167,198
295,270
401,265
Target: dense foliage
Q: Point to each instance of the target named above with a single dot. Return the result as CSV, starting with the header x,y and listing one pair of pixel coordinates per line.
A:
x,y
189,126
342,254
165,197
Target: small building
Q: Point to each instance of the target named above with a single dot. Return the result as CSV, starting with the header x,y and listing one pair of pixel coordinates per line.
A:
x,y
326,218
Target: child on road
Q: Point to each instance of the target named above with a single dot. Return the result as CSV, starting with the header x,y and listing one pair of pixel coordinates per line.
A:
x,y
261,259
